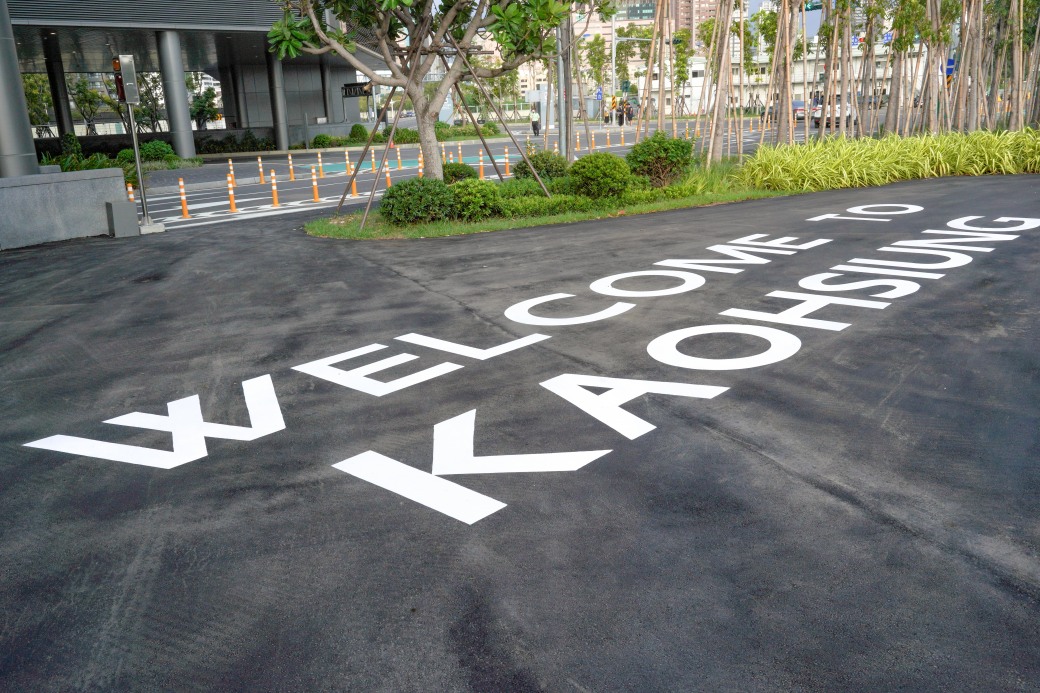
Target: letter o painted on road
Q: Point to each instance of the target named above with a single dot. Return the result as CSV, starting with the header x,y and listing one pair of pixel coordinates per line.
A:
x,y
781,346
893,209
690,281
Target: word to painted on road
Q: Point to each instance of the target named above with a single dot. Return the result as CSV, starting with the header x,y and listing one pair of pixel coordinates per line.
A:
x,y
602,398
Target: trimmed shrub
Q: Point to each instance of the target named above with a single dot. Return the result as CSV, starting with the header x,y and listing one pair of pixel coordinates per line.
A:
x,y
600,175
404,135
475,199
125,156
547,164
542,206
358,133
322,141
456,172
156,150
417,200
519,187
560,186
441,128
70,144
664,159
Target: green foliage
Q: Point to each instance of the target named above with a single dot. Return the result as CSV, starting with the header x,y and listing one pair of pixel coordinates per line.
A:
x,y
547,164
600,175
322,141
664,159
542,206
564,185
417,200
87,101
70,145
456,172
156,150
848,163
203,107
440,127
519,187
358,133
404,136
475,199
37,98
125,156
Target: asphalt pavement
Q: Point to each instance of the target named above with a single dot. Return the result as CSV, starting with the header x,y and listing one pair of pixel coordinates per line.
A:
x,y
792,447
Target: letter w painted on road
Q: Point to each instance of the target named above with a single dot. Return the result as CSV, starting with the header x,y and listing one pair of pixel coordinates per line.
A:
x,y
185,422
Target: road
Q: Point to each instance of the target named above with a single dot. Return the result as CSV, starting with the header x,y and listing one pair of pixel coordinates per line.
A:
x,y
732,448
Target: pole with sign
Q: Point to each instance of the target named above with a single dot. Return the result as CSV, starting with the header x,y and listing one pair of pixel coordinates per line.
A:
x,y
129,93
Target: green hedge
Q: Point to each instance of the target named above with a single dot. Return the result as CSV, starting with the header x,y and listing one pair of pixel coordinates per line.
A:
x,y
600,175
836,162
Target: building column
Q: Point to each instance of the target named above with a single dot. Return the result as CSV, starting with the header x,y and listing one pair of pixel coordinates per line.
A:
x,y
326,87
227,95
17,152
276,87
178,114
56,78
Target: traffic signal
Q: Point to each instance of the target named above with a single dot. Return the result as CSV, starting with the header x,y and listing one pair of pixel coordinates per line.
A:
x,y
126,79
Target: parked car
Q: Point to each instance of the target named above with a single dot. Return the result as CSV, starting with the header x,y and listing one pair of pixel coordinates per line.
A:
x,y
849,114
797,108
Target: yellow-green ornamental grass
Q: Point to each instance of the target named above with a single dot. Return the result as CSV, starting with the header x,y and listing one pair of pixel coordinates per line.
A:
x,y
852,163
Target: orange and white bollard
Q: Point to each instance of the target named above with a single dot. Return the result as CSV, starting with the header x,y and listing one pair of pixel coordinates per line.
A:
x,y
687,129
507,161
314,183
130,192
481,171
451,157
460,154
373,161
387,172
292,171
184,199
231,194
260,165
321,167
577,141
592,141
231,171
444,155
399,165
608,139
274,190
622,138
556,147
528,142
420,166
353,187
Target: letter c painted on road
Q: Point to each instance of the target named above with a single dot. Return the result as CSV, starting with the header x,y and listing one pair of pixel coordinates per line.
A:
x,y
520,312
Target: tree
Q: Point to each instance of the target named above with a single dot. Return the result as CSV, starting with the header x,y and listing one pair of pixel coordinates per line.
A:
x,y
626,50
204,107
87,102
149,113
595,54
413,37
38,100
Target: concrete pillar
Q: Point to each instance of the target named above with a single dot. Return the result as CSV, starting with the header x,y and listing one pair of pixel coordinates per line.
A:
x,y
241,107
227,95
17,153
176,93
326,89
276,87
56,78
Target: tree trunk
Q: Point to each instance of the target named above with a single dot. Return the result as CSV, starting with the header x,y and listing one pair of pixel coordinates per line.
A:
x,y
895,94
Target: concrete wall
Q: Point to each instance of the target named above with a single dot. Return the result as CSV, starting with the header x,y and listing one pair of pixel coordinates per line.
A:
x,y
57,206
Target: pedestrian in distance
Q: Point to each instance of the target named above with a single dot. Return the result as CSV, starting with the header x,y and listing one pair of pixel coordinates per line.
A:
x,y
535,122
621,115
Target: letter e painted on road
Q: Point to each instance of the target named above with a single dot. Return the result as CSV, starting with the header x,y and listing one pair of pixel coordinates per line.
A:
x,y
357,379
